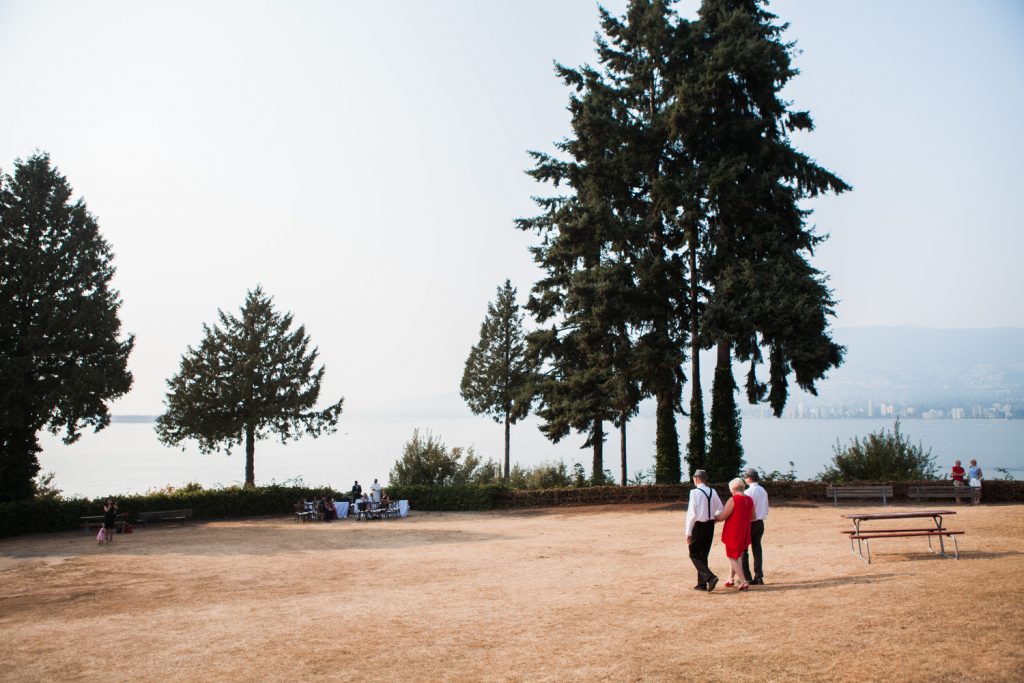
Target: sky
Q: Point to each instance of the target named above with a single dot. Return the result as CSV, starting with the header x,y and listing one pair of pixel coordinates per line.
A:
x,y
364,162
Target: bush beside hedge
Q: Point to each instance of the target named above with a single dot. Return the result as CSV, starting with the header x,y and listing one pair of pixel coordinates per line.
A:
x,y
46,515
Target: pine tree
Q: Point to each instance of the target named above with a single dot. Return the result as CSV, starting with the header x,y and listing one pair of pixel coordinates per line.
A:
x,y
737,127
250,377
620,221
61,358
642,54
498,378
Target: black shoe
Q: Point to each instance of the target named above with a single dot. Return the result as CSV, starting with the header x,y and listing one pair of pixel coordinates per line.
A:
x,y
700,587
757,582
712,582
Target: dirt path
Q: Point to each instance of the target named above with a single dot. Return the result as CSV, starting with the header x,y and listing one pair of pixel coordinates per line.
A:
x,y
587,593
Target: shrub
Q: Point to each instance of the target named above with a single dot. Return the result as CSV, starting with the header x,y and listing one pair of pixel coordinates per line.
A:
x,y
463,497
776,476
547,475
882,456
44,487
426,460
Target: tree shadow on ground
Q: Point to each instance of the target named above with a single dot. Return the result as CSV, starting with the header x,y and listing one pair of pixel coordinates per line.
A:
x,y
964,555
249,541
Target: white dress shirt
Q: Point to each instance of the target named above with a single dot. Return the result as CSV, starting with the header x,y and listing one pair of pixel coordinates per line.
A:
x,y
760,498
701,509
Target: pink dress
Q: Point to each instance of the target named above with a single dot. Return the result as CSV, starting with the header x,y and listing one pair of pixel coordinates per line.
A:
x,y
736,532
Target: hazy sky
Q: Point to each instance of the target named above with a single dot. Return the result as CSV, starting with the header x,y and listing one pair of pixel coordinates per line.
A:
x,y
364,162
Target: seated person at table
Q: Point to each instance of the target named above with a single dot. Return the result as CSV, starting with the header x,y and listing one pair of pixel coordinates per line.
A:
x,y
363,504
301,505
384,500
330,512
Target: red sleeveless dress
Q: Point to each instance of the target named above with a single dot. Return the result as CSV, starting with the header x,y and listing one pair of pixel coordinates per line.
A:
x,y
736,532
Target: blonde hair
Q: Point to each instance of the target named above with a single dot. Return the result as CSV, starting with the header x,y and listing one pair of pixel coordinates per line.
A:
x,y
737,484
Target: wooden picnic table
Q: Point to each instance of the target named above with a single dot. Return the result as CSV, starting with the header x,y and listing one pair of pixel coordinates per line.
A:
x,y
863,536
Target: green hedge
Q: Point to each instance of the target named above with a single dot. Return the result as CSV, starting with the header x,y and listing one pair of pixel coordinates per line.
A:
x,y
45,515
464,497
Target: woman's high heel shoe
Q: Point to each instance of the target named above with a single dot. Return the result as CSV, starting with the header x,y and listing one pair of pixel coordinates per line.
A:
x,y
744,586
729,584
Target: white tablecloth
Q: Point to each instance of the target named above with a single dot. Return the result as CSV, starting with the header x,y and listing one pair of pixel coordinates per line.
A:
x,y
342,508
403,508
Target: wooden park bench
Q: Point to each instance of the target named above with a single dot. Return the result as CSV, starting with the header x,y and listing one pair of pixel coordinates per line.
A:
x,y
165,516
836,491
96,521
965,493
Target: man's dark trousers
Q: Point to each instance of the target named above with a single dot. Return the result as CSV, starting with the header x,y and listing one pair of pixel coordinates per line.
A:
x,y
700,548
756,532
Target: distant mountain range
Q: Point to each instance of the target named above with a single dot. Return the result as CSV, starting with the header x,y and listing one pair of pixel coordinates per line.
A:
x,y
928,367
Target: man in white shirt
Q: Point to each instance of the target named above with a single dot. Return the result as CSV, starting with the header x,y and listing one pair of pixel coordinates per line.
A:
x,y
700,528
760,498
375,491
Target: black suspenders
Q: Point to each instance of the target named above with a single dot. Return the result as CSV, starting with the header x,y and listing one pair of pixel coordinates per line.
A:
x,y
708,495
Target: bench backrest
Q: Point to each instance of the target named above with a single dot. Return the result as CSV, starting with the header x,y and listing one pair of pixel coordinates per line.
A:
x,y
835,492
858,490
158,514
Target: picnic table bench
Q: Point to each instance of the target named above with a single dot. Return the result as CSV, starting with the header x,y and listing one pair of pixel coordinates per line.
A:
x,y
96,521
165,516
863,537
947,491
836,491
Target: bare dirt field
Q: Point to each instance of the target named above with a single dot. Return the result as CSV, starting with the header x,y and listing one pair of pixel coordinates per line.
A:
x,y
598,593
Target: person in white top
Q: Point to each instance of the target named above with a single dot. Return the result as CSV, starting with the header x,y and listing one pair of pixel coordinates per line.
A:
x,y
760,498
375,488
700,528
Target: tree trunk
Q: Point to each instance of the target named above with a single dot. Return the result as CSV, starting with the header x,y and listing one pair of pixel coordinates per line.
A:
x,y
18,462
598,475
622,444
666,441
250,452
696,445
507,443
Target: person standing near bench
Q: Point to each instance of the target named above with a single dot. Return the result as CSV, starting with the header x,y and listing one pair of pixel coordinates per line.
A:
x,y
957,473
109,520
704,504
974,473
757,494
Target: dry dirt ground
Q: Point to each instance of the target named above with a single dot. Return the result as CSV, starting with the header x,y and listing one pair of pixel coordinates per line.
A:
x,y
599,593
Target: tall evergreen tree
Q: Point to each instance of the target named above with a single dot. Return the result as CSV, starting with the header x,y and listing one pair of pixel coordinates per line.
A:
x,y
498,378
642,53
734,122
250,377
582,300
62,357
620,217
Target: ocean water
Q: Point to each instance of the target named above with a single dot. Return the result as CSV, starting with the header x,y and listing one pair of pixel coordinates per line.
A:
x,y
128,458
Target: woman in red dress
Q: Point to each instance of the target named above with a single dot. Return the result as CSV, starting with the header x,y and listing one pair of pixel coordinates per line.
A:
x,y
738,514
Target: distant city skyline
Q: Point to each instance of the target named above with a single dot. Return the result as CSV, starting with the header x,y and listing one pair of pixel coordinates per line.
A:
x,y
364,162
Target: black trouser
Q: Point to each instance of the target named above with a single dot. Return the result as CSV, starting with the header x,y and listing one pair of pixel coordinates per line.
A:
x,y
700,548
756,532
